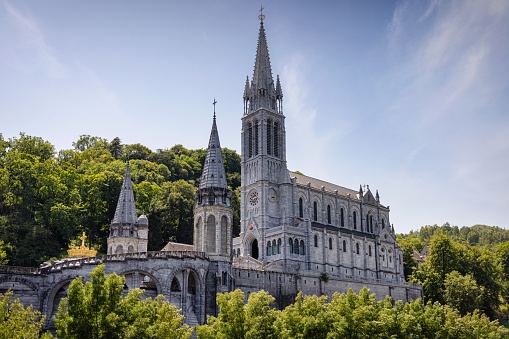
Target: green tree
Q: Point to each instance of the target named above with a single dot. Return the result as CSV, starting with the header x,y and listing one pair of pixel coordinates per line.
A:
x,y
137,151
17,322
442,256
3,255
461,292
116,148
97,309
36,146
409,263
503,259
86,141
238,320
307,318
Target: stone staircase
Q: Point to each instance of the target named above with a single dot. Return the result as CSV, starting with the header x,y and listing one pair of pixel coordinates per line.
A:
x,y
191,319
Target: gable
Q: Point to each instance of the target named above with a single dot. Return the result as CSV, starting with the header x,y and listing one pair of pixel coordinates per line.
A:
x,y
368,198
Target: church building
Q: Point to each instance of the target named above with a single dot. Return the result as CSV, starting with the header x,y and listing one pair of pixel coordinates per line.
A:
x,y
294,223
297,233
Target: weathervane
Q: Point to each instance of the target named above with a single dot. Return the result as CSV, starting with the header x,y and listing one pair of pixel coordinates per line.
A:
x,y
214,103
261,16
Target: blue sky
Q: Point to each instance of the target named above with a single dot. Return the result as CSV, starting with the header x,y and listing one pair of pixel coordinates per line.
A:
x,y
409,97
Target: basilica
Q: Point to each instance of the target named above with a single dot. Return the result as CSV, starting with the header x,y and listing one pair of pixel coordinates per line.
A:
x,y
297,233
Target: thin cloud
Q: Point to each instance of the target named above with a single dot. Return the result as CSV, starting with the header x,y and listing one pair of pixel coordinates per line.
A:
x,y
302,116
447,81
33,39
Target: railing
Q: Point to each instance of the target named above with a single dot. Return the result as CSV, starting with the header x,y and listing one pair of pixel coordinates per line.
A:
x,y
156,255
56,266
19,269
373,280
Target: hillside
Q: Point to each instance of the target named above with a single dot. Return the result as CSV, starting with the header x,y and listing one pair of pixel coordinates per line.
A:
x,y
47,198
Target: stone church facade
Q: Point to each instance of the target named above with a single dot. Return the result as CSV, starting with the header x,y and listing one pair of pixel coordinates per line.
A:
x,y
297,233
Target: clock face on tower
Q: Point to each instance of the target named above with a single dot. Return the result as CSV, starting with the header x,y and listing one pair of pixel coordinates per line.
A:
x,y
253,198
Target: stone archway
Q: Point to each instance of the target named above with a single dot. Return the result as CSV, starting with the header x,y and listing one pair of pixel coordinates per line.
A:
x,y
142,280
254,250
187,293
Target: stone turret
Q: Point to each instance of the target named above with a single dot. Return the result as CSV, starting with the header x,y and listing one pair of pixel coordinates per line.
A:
x,y
213,212
128,234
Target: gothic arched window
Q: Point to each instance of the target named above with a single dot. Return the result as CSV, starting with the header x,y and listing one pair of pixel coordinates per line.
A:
x,y
302,248
342,218
269,137
344,245
256,141
290,242
383,223
279,246
371,223
328,214
315,211
269,249
316,240
276,139
370,250
357,248
301,208
330,243
296,246
250,138
354,220
274,247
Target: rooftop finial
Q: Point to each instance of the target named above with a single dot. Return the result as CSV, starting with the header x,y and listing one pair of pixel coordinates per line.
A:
x,y
261,16
214,103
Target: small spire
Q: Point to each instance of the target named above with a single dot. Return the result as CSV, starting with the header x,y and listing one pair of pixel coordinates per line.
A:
x,y
246,89
279,91
126,209
213,174
214,103
360,190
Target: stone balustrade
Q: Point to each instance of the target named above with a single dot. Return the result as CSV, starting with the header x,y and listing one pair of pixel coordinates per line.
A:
x,y
59,265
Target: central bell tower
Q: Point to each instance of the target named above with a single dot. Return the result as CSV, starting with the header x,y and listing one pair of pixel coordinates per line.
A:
x,y
265,184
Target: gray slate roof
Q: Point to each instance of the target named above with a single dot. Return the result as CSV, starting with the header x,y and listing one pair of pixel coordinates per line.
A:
x,y
126,209
316,183
213,174
328,187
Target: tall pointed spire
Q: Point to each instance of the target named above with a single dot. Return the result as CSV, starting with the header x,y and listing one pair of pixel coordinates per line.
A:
x,y
262,75
126,209
213,174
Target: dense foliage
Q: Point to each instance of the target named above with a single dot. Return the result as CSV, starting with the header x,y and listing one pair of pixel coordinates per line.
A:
x,y
17,321
477,235
97,310
467,268
47,199
345,316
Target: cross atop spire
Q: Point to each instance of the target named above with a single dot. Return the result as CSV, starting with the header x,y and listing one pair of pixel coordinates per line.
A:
x,y
261,16
214,103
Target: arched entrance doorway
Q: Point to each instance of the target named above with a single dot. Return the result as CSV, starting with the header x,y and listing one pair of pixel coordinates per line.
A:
x,y
254,249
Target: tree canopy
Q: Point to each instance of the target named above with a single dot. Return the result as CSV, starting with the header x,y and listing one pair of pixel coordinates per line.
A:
x,y
97,309
47,199
345,316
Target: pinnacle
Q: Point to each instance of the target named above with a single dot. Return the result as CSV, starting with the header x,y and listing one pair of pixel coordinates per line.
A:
x,y
126,209
213,174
